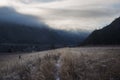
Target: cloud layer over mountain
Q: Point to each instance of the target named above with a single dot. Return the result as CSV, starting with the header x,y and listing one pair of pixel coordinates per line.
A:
x,y
68,14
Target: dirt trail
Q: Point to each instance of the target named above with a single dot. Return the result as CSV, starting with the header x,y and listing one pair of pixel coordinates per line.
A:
x,y
58,66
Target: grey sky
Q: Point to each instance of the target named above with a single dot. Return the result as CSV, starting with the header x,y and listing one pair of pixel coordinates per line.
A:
x,y
69,14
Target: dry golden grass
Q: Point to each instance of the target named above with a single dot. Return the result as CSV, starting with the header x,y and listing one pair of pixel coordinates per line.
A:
x,y
64,64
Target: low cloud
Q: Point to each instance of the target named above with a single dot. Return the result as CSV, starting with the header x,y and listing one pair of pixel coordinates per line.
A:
x,y
36,1
10,15
68,14
87,13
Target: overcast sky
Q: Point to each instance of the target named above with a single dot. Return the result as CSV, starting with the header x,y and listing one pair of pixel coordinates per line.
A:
x,y
68,14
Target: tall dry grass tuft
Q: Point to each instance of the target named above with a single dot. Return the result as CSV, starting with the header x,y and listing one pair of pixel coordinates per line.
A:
x,y
73,67
41,68
47,68
65,65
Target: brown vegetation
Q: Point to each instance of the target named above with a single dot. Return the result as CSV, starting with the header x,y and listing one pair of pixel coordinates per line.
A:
x,y
72,66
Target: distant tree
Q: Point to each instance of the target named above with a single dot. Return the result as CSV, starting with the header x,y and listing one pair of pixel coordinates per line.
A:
x,y
53,46
9,50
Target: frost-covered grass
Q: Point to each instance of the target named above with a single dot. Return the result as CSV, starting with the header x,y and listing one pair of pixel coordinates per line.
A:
x,y
93,63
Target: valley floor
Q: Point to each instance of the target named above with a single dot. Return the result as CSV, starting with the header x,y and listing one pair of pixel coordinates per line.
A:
x,y
83,63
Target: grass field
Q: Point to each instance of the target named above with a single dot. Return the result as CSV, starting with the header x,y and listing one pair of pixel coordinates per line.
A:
x,y
84,63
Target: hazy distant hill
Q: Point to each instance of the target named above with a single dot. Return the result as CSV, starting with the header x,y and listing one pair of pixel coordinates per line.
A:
x,y
24,32
16,33
18,37
13,33
109,35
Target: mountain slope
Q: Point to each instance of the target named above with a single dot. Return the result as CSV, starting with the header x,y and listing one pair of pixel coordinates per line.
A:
x,y
18,37
109,35
19,31
13,33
